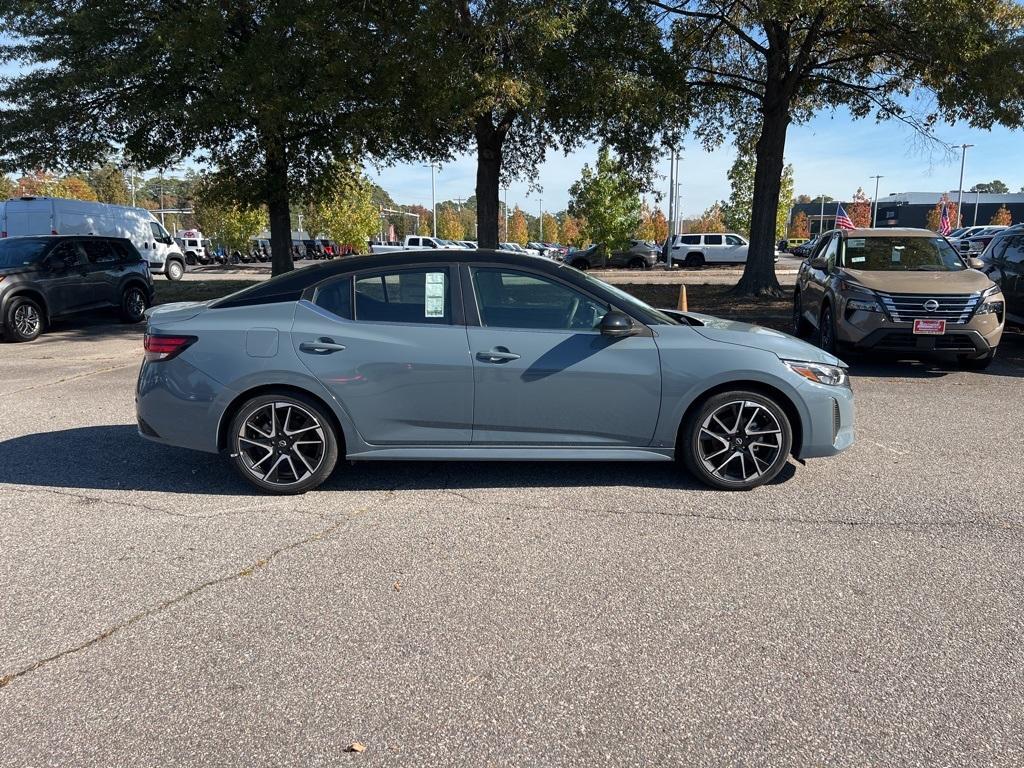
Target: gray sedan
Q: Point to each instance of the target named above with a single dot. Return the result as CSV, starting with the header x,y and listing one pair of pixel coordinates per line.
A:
x,y
479,355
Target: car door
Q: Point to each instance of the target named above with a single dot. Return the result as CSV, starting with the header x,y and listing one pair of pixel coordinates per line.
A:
x,y
64,279
544,375
391,347
713,248
813,278
735,249
104,268
1012,266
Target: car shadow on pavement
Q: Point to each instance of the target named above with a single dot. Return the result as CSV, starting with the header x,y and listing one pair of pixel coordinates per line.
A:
x,y
114,457
1009,362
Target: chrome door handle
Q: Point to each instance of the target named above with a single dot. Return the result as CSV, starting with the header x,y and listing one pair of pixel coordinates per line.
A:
x,y
322,346
497,356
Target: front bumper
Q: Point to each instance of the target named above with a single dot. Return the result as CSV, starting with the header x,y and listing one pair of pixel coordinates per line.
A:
x,y
873,331
829,420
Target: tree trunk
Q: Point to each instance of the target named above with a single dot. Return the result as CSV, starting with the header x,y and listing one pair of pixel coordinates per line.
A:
x,y
759,273
489,141
279,208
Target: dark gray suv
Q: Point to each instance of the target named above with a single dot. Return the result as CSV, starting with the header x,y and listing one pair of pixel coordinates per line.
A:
x,y
45,278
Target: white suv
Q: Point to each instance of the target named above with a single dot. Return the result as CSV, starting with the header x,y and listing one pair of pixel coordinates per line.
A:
x,y
710,248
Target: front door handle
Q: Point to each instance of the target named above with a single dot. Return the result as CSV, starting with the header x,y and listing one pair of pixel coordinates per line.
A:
x,y
497,355
322,346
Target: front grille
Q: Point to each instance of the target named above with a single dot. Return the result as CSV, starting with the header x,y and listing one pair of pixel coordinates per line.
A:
x,y
951,307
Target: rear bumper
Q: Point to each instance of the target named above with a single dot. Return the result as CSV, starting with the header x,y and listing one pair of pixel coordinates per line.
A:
x,y
177,404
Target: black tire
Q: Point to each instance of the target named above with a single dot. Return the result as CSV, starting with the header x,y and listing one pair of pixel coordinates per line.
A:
x,y
24,319
694,260
581,265
134,303
191,259
637,263
174,270
825,336
976,363
314,463
801,328
767,455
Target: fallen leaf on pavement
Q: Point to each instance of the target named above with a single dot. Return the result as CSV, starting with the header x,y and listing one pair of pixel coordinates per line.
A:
x,y
356,746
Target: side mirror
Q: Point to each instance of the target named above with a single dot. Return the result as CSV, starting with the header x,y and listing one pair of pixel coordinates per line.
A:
x,y
975,263
616,324
820,263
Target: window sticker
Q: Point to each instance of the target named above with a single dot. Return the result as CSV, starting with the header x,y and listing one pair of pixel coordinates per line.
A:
x,y
855,242
858,259
897,254
433,304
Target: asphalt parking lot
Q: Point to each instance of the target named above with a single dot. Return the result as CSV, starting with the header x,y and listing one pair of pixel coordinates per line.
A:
x,y
862,610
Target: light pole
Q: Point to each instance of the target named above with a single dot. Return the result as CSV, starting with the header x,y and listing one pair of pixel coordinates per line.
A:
x,y
506,213
672,193
433,201
821,218
540,220
679,216
977,195
960,188
874,202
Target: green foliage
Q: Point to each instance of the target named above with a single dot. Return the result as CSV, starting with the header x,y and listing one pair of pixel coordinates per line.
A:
x,y
736,210
551,233
995,187
785,202
109,183
518,231
345,211
608,198
654,225
222,219
7,187
449,226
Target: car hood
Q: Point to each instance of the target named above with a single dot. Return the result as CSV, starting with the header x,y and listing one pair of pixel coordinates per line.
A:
x,y
176,311
965,281
758,337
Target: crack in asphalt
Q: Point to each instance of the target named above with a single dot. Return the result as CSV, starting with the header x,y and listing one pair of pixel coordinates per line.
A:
x,y
71,378
164,605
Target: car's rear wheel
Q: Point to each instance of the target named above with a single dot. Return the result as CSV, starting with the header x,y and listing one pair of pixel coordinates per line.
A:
x,y
736,440
581,265
694,260
24,319
174,270
134,302
637,263
976,363
283,443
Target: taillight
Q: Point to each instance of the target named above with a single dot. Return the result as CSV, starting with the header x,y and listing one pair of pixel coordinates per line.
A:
x,y
166,347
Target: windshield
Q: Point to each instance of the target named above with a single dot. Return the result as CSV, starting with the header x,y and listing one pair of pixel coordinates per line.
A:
x,y
629,301
900,254
21,252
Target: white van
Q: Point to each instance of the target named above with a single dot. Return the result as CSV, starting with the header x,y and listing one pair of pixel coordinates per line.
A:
x,y
58,216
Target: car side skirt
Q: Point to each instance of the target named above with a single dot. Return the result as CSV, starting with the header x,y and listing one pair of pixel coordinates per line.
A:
x,y
512,453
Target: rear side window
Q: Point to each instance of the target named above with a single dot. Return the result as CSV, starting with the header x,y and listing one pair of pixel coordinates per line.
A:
x,y
336,298
712,239
128,251
1014,252
689,239
407,296
101,252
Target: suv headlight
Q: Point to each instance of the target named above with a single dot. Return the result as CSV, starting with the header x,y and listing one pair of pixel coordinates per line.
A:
x,y
862,300
820,373
991,302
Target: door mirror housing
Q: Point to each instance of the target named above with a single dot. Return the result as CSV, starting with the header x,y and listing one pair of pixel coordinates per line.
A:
x,y
616,324
820,263
975,263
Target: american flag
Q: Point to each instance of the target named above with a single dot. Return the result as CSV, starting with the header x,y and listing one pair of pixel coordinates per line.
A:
x,y
945,227
842,220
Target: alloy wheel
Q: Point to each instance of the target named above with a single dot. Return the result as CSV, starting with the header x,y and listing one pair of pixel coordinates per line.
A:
x,y
27,320
135,303
739,441
281,443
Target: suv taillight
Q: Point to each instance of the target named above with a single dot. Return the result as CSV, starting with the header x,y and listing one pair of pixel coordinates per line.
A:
x,y
166,347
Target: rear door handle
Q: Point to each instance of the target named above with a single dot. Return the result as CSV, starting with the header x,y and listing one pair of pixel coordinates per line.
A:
x,y
322,346
497,355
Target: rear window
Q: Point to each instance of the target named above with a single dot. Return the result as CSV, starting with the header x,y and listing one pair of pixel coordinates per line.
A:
x,y
286,287
19,252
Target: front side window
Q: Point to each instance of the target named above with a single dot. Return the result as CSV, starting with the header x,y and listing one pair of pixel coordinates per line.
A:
x,y
901,254
336,298
508,299
712,239
1014,252
21,252
407,296
733,240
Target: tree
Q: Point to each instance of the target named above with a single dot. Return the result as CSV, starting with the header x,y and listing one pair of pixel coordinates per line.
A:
x,y
653,225
608,197
222,219
344,211
801,227
7,187
803,199
860,209
449,226
518,232
551,233
710,221
282,91
934,219
73,188
995,187
1002,217
775,62
512,80
736,211
108,182
573,230
425,223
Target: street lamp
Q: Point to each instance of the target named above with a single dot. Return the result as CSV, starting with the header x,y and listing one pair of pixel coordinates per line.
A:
x,y
960,189
874,202
540,219
433,202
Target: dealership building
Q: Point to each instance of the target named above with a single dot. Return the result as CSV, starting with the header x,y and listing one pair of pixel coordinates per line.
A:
x,y
910,209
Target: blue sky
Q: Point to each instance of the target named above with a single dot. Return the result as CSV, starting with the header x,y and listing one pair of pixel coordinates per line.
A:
x,y
832,154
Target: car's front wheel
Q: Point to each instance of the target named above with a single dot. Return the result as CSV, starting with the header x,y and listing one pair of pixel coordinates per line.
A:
x,y
800,324
736,440
134,302
283,443
826,336
23,320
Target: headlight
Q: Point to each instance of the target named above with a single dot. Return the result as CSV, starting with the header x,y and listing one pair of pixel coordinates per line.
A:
x,y
991,302
862,300
820,373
